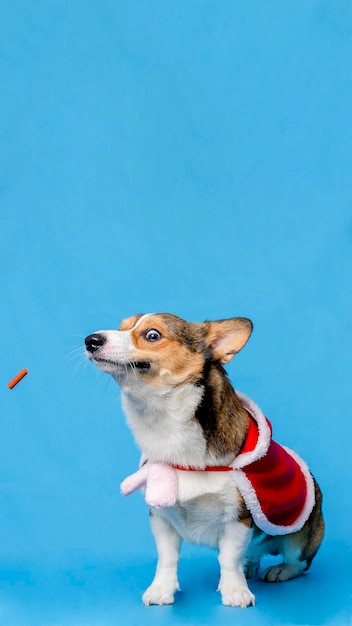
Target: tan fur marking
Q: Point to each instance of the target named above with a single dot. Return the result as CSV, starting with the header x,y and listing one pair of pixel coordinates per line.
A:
x,y
244,515
129,322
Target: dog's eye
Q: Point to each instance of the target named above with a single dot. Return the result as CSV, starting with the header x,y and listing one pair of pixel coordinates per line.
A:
x,y
152,335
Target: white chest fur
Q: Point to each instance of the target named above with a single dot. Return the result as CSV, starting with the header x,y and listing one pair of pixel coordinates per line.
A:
x,y
207,502
163,424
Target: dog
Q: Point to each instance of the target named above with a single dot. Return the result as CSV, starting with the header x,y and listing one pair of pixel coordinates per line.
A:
x,y
232,486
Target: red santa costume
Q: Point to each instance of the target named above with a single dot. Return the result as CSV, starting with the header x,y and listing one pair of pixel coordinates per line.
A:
x,y
274,481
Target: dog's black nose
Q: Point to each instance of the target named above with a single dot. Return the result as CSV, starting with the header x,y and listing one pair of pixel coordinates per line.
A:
x,y
94,342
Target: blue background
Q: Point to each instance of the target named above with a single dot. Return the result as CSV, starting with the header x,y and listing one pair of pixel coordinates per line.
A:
x,y
190,157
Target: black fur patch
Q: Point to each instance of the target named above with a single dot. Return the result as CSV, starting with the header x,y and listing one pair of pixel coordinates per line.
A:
x,y
220,413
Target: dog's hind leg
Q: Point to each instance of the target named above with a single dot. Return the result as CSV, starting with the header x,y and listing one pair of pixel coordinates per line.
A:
x,y
292,565
298,549
260,544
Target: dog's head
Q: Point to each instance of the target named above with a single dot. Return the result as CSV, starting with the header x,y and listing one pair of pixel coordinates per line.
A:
x,y
164,350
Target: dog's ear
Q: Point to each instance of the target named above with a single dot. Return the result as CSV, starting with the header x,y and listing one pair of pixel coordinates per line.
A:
x,y
227,337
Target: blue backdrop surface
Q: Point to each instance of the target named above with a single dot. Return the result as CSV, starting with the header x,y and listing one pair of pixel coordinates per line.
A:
x,y
190,157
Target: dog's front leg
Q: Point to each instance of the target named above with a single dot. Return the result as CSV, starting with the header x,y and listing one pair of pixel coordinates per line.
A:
x,y
168,544
233,544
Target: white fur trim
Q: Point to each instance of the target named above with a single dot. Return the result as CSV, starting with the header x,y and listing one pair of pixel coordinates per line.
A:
x,y
310,499
264,434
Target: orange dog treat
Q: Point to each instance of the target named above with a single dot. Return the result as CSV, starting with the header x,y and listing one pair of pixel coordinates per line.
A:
x,y
17,378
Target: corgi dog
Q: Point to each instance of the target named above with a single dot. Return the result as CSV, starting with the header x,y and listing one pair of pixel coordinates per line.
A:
x,y
235,488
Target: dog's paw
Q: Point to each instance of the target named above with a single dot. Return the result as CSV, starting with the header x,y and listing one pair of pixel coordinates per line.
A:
x,y
282,572
237,596
251,569
158,594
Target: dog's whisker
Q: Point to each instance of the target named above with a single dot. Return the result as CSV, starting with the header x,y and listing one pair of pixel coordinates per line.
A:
x,y
76,352
133,368
82,363
78,366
